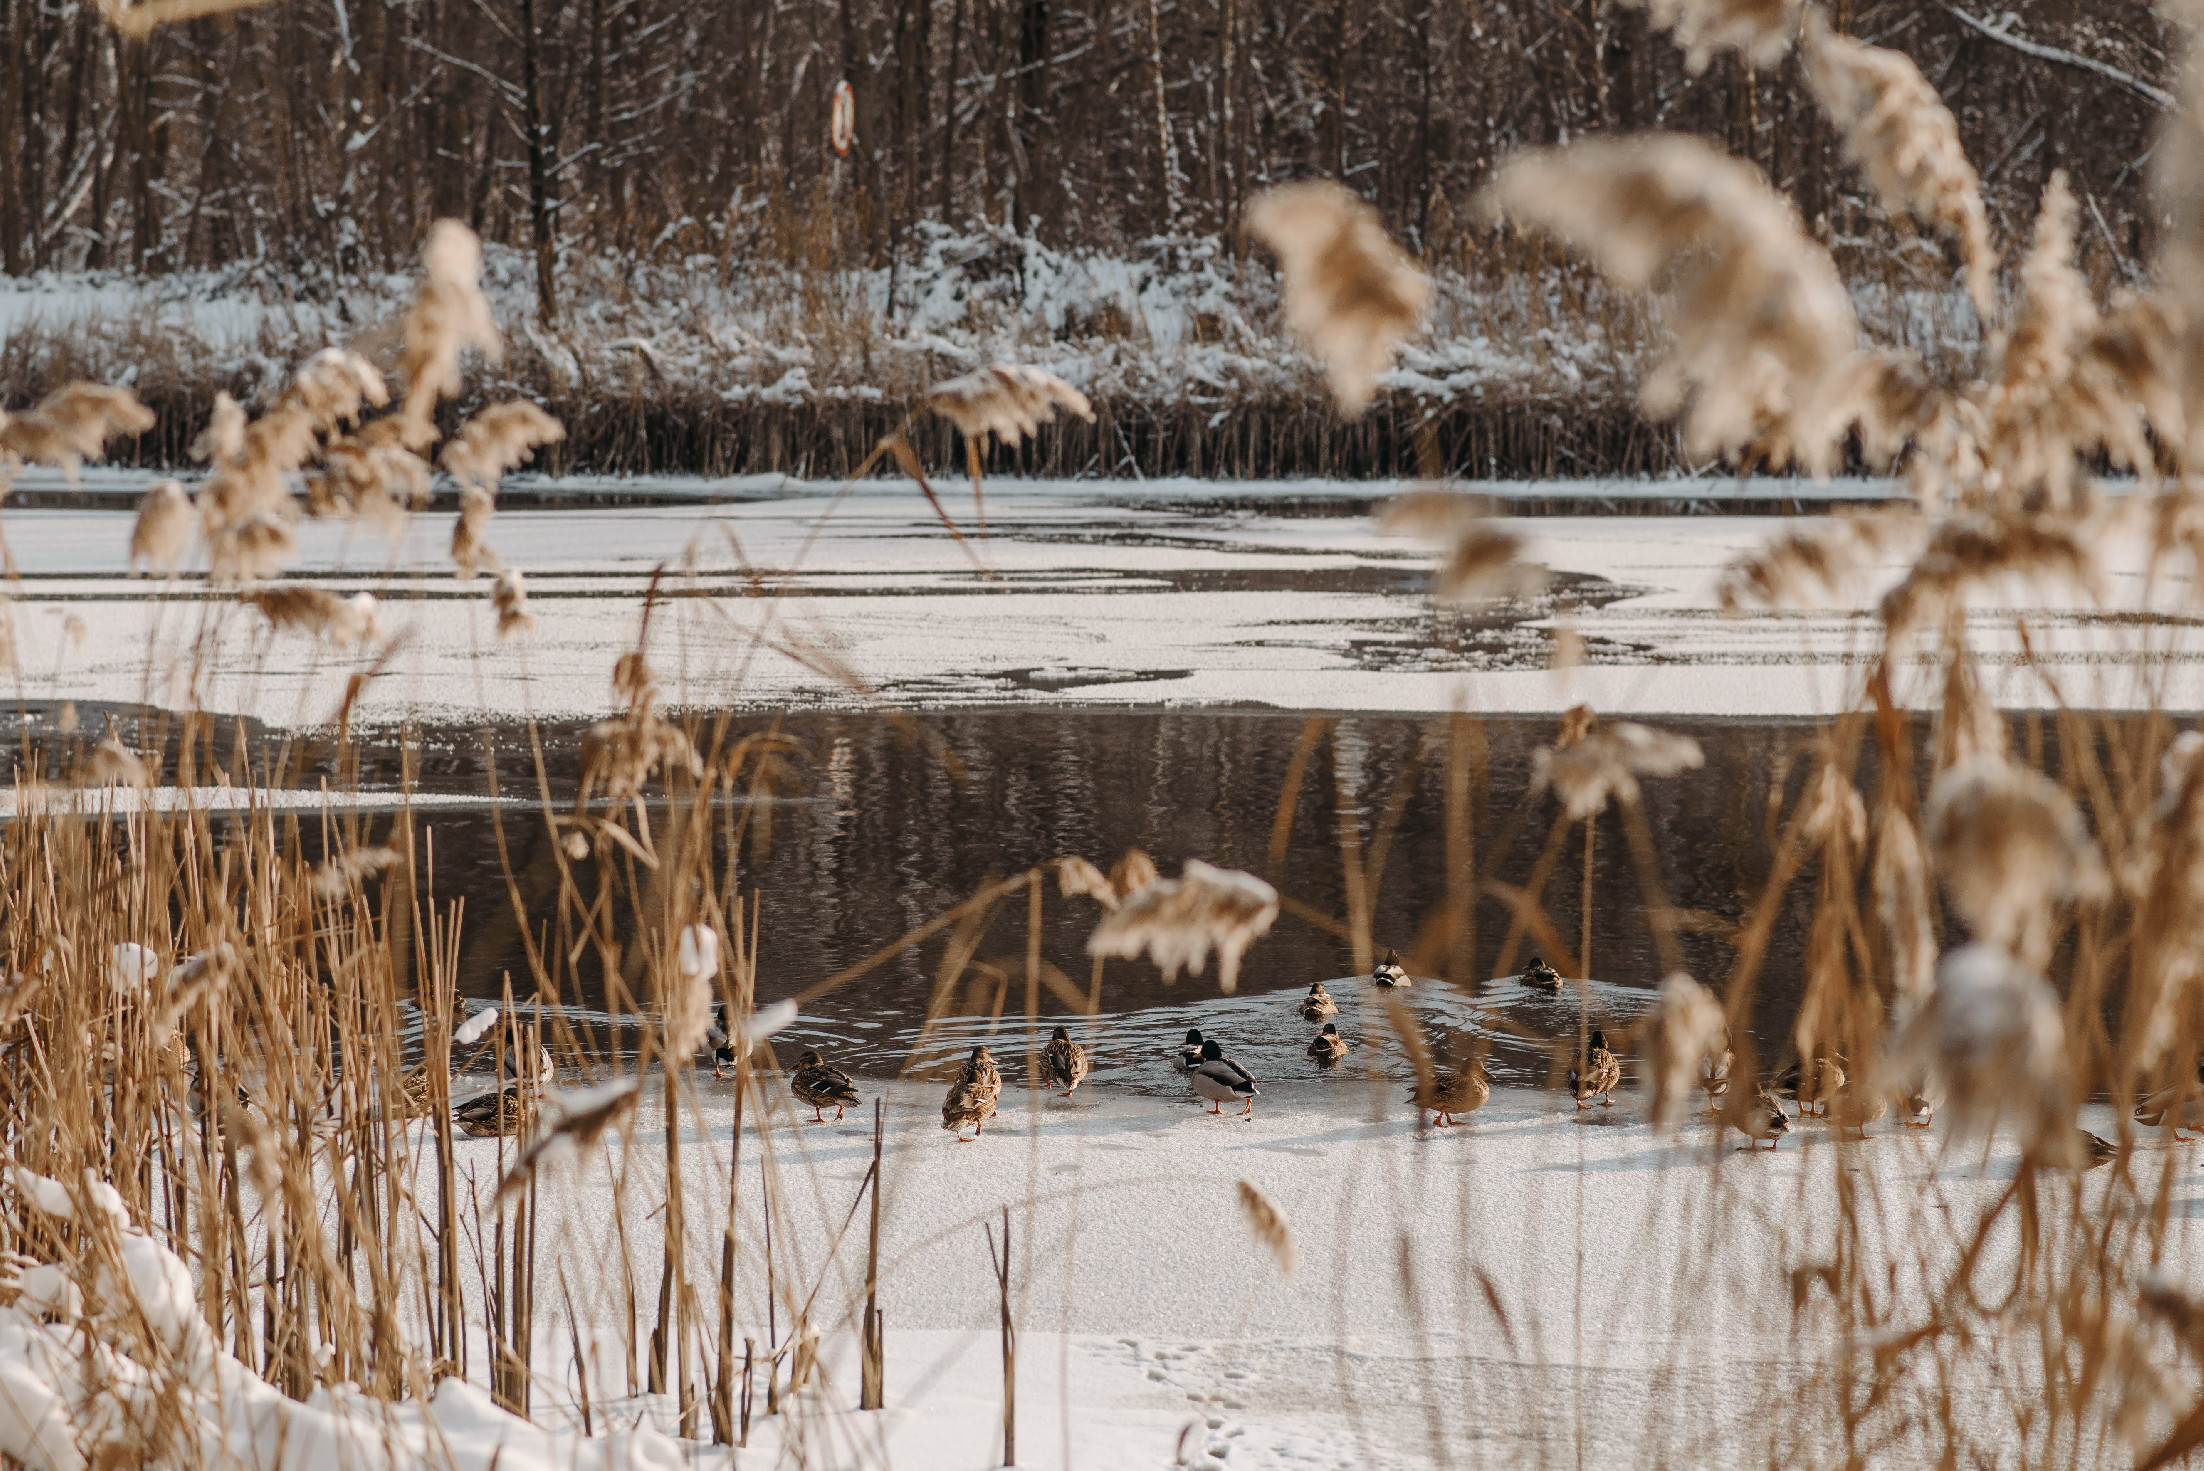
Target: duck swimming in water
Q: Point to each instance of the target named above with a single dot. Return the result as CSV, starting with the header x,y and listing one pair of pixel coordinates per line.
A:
x,y
1329,1047
1221,1080
1389,972
1540,976
1318,1004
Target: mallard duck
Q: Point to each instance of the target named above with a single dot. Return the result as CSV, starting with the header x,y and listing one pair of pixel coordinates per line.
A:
x,y
1221,1080
1064,1065
489,1115
414,1092
2092,1151
1763,1118
1329,1047
1852,1108
822,1085
1600,1075
1813,1086
1189,1054
1449,1094
1389,973
722,1039
1318,1004
1920,1107
1540,976
2180,1108
972,1096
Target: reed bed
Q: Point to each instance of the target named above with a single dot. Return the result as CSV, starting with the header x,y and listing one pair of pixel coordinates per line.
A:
x,y
234,1217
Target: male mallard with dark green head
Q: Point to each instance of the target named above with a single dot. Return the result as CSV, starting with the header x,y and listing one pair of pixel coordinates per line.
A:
x,y
1221,1080
1318,1004
1188,1055
1064,1065
1389,973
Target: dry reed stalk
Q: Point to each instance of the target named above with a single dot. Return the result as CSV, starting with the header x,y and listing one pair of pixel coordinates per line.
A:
x,y
1177,922
1482,562
71,425
1904,905
1689,1028
2163,878
1898,129
2011,847
1759,31
1269,1225
1605,762
1349,292
1763,331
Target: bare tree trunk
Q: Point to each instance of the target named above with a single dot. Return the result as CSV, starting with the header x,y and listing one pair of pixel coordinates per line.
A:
x,y
539,165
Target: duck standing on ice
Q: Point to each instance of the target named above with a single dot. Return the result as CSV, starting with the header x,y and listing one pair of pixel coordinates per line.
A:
x,y
1389,973
1447,1094
1065,1063
822,1085
1600,1075
972,1096
1221,1080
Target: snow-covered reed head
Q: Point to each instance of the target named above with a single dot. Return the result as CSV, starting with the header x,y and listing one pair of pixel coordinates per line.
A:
x,y
1128,876
1758,30
1898,129
568,1127
1483,562
1688,1028
71,425
1177,922
162,532
1992,1041
1606,763
1349,292
321,614
1763,330
1009,401
509,596
689,990
449,315
2011,848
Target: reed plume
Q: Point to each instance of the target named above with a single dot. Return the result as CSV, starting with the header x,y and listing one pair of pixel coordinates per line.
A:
x,y
71,425
1606,763
1903,904
687,1004
509,596
1898,129
1763,331
1688,1028
1007,400
1969,550
162,532
1813,562
1348,291
1269,1225
320,613
488,445
449,315
1482,561
334,878
1130,874
1178,921
1758,30
111,763
1991,1039
2010,846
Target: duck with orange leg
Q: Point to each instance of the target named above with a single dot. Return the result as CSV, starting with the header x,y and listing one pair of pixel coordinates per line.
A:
x,y
972,1096
1598,1076
1447,1094
1064,1065
822,1085
1221,1080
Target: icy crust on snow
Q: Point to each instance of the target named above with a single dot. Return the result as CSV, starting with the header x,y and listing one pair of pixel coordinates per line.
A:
x,y
144,1377
1078,595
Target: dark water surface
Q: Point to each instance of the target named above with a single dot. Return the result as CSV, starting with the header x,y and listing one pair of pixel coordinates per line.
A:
x,y
888,822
